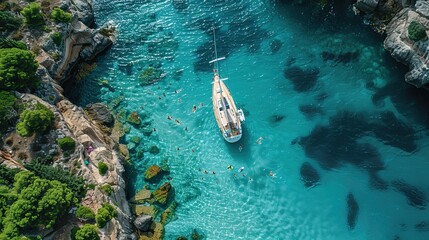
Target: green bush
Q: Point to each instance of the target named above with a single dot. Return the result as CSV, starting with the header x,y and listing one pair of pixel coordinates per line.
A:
x,y
10,43
85,213
9,22
106,188
102,168
416,31
61,16
66,143
17,69
57,37
9,107
32,14
38,120
105,214
87,232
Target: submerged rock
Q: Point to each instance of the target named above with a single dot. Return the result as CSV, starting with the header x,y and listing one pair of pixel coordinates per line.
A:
x,y
415,197
309,175
352,211
134,119
310,110
168,214
162,194
275,46
422,226
152,172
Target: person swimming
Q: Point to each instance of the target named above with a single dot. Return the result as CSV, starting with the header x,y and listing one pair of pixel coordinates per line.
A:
x,y
230,167
178,122
241,169
194,108
272,174
259,141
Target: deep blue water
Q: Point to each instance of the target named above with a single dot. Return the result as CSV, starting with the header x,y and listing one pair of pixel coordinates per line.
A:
x,y
346,137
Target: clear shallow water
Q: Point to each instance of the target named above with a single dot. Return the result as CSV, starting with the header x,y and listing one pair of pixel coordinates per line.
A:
x,y
352,118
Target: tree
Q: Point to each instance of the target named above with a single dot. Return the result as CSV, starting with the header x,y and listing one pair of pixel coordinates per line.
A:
x,y
38,120
105,214
87,232
9,22
8,109
17,69
85,213
416,31
10,43
32,14
61,16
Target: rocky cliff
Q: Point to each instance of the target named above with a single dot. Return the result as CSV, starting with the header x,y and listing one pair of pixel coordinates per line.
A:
x,y
412,53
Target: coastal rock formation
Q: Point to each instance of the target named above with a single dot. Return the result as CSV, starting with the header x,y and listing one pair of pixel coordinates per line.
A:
x,y
415,196
413,54
105,150
100,114
352,211
162,194
366,6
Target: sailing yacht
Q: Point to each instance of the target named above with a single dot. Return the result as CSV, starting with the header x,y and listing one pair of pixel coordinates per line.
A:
x,y
228,117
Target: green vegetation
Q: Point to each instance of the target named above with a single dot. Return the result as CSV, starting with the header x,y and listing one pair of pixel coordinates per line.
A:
x,y
105,214
102,168
38,120
17,69
66,143
85,213
76,184
10,43
154,149
150,75
416,31
87,232
7,175
32,202
57,37
32,14
9,22
61,16
9,107
106,188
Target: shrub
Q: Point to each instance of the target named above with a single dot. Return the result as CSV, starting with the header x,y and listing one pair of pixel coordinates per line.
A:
x,y
57,37
17,69
416,31
66,143
10,43
87,232
107,189
9,22
102,168
32,14
8,109
85,213
105,214
38,120
61,16
76,184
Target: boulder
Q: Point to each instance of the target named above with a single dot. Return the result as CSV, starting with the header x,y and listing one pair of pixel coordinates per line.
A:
x,y
162,194
148,210
134,118
366,6
152,172
143,222
141,196
101,114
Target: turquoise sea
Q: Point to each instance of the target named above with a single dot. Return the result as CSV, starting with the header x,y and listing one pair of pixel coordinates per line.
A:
x,y
345,136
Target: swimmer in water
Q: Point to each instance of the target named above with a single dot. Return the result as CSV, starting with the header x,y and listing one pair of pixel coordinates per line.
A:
x,y
169,117
259,141
230,167
240,148
194,108
241,169
178,122
272,174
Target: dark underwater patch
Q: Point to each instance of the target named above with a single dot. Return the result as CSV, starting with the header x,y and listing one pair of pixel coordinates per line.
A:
x,y
275,119
180,5
422,226
392,131
415,197
352,211
310,110
275,46
303,80
309,175
342,57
